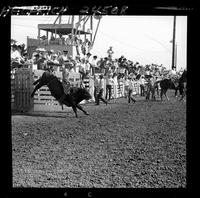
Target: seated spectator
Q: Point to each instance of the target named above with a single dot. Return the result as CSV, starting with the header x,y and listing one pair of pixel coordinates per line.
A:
x,y
52,40
68,40
44,40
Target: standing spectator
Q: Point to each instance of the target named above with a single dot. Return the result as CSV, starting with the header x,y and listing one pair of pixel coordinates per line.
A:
x,y
115,82
110,52
99,91
65,55
142,86
88,57
64,59
126,85
48,55
38,61
77,63
16,58
109,84
93,64
130,90
54,60
87,66
72,62
82,70
27,62
96,84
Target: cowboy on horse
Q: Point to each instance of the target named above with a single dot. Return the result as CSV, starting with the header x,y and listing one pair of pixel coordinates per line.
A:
x,y
65,80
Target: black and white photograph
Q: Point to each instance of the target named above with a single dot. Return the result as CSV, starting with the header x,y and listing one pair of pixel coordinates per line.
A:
x,y
98,101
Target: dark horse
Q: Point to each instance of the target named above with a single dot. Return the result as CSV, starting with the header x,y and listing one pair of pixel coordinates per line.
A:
x,y
182,84
72,99
166,84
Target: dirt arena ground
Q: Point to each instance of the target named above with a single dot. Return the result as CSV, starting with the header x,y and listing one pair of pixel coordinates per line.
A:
x,y
119,145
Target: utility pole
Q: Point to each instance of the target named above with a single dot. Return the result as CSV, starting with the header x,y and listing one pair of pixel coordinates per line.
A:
x,y
175,62
173,44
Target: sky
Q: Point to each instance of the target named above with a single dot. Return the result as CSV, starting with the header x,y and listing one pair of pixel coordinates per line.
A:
x,y
143,39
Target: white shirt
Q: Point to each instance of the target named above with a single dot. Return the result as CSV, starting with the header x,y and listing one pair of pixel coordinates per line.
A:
x,y
142,81
87,66
16,55
109,81
65,57
101,84
130,84
94,62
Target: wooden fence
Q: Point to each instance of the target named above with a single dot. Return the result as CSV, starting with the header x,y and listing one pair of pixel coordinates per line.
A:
x,y
21,88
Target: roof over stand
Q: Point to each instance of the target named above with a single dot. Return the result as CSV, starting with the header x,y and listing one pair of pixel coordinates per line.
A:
x,y
63,29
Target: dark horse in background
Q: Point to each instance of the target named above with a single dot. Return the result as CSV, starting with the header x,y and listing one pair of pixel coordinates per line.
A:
x,y
182,84
166,84
72,99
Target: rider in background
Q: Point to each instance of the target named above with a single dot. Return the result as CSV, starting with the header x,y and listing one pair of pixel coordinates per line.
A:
x,y
65,81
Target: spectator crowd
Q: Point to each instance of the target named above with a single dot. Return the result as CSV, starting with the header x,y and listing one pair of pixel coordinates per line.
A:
x,y
112,69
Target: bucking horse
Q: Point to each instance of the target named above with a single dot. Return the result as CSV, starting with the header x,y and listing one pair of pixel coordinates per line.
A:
x,y
75,96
